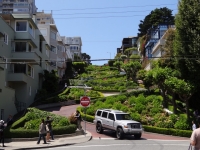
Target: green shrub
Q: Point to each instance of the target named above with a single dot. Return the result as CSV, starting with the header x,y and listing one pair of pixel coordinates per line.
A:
x,y
181,123
117,106
139,107
135,116
124,108
90,111
132,100
121,98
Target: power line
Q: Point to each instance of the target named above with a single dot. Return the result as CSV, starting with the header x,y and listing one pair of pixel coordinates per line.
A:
x,y
189,57
111,7
106,12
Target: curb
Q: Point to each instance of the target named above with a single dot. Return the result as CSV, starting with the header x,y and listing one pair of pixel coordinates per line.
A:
x,y
77,133
58,145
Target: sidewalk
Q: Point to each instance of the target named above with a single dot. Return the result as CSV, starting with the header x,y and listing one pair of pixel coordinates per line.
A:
x,y
63,140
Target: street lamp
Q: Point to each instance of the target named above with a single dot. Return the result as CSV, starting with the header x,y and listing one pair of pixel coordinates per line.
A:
x,y
110,54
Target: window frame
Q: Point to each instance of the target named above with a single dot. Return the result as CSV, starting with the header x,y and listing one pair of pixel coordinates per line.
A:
x,y
21,21
5,38
104,113
33,30
20,42
31,71
51,34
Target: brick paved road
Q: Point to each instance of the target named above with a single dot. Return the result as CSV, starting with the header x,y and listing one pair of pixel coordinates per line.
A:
x,y
68,110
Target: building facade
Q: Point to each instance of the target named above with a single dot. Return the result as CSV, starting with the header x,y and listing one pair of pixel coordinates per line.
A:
x,y
58,55
24,56
17,7
157,37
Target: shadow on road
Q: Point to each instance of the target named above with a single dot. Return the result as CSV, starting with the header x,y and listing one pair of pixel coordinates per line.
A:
x,y
112,134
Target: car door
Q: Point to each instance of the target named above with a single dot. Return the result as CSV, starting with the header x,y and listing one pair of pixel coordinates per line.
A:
x,y
111,121
105,119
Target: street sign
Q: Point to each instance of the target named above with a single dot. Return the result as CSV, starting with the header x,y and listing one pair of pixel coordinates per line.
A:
x,y
85,101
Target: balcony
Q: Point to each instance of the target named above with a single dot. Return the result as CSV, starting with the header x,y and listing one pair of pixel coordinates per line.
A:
x,y
150,42
25,36
31,57
161,42
17,77
8,1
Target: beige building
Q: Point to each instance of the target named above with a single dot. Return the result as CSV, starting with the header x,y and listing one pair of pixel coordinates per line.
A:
x,y
59,52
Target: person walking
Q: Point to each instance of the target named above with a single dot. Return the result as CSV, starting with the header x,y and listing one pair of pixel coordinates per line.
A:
x,y
195,138
49,121
42,132
193,126
2,132
48,133
78,119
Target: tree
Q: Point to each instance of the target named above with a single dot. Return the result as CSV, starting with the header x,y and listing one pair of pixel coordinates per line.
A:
x,y
131,69
187,39
184,89
86,57
168,50
158,76
156,17
50,83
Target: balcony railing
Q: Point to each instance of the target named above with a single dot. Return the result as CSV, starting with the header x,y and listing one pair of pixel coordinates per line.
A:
x,y
159,43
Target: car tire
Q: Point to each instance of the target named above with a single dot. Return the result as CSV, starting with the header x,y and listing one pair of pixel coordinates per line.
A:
x,y
138,136
119,133
99,128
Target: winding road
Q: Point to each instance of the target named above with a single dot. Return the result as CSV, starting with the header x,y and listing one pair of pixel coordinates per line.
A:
x,y
68,110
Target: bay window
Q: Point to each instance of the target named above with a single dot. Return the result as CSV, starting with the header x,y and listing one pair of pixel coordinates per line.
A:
x,y
21,26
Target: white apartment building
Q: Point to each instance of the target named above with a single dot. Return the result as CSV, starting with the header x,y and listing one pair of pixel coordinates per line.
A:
x,y
17,7
75,46
48,28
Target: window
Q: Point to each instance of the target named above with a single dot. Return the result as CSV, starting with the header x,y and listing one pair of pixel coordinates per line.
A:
x,y
47,52
20,68
29,47
20,46
53,49
99,113
105,114
47,67
44,32
31,30
59,47
30,71
21,26
5,38
111,116
29,90
53,35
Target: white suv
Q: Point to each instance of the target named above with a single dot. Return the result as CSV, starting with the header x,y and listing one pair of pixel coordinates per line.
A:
x,y
118,121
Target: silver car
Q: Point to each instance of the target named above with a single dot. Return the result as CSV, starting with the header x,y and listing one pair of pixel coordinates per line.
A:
x,y
118,121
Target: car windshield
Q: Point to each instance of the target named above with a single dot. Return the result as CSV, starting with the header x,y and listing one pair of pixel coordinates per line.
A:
x,y
123,117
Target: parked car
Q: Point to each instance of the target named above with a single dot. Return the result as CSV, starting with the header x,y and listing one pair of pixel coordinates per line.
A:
x,y
118,121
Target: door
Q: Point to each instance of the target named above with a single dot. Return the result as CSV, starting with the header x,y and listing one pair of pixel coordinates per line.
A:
x,y
111,121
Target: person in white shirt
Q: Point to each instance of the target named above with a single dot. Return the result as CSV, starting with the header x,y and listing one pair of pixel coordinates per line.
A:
x,y
193,126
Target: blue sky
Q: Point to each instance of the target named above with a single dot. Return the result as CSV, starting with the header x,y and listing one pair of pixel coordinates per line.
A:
x,y
101,24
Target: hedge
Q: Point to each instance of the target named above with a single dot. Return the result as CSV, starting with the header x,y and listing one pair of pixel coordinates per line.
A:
x,y
168,131
24,133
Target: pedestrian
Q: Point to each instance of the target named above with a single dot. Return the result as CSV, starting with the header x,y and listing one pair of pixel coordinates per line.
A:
x,y
78,119
193,126
9,120
195,138
48,132
49,121
2,132
42,132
